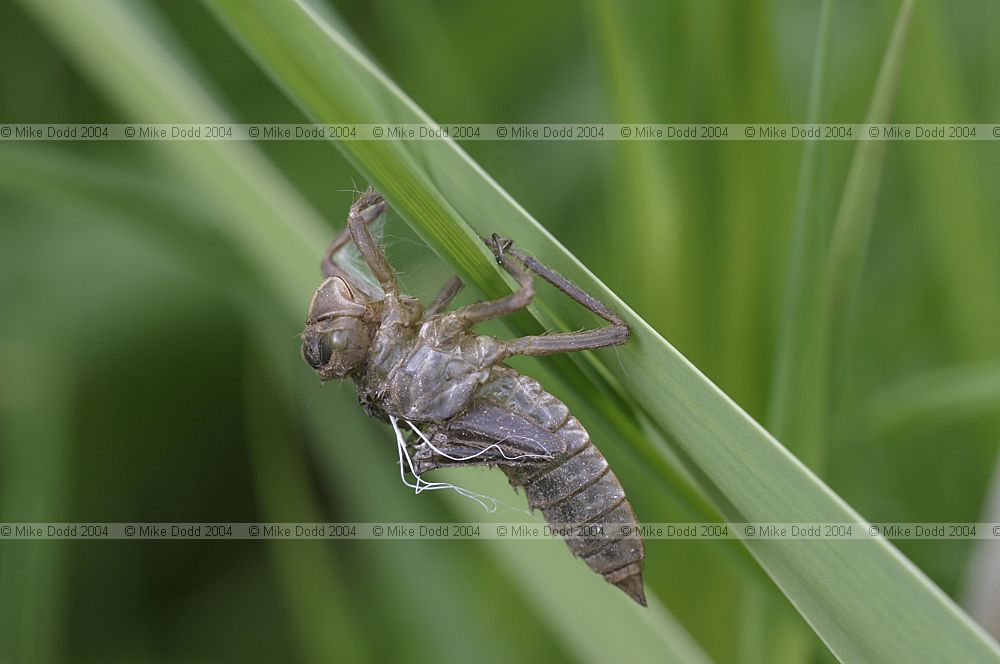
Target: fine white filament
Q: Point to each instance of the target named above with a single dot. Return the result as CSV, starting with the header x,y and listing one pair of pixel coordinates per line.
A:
x,y
489,504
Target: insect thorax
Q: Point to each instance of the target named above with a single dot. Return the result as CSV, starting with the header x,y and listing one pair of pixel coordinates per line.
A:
x,y
417,373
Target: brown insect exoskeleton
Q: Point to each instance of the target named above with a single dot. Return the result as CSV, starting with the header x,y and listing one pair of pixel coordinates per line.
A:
x,y
429,370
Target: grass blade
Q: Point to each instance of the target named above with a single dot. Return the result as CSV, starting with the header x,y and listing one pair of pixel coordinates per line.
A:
x,y
795,407
935,395
796,411
963,193
36,443
543,567
854,218
322,608
645,196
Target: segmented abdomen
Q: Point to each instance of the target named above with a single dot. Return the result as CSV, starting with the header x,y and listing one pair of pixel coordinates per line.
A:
x,y
576,487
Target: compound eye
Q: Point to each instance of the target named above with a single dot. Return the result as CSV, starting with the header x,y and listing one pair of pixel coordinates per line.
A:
x,y
316,351
336,341
325,351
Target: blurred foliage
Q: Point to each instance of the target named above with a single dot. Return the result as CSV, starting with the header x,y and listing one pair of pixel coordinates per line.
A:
x,y
138,379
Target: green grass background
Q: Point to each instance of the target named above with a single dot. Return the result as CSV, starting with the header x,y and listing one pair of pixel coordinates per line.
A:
x,y
149,370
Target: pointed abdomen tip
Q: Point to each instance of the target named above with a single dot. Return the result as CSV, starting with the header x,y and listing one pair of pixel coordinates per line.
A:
x,y
633,588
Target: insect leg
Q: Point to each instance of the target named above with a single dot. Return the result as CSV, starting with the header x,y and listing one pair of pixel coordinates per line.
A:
x,y
365,210
448,292
478,312
568,342
329,266
562,283
611,335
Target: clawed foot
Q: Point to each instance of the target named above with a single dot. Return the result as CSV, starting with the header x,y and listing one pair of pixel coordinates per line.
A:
x,y
370,206
499,246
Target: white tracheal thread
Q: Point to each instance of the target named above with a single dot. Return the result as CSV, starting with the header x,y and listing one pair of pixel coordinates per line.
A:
x,y
489,504
526,455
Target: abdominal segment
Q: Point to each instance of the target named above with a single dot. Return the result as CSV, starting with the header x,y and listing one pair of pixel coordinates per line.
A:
x,y
550,455
581,490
